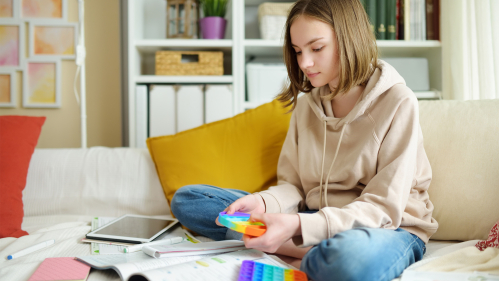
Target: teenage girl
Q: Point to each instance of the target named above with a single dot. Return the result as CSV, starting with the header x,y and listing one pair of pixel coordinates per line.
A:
x,y
351,201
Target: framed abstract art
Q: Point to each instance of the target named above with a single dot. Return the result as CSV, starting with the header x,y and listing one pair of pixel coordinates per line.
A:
x,y
7,88
53,39
42,83
11,44
43,9
9,9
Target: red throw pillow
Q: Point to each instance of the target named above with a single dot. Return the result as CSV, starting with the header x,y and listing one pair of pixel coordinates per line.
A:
x,y
18,138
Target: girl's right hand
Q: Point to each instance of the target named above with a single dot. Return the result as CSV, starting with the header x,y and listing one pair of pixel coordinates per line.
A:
x,y
252,204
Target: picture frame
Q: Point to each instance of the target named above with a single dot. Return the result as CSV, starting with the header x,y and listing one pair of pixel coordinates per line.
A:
x,y
40,10
8,88
49,39
14,9
42,83
12,46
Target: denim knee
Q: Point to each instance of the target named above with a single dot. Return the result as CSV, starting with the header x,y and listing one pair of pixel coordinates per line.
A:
x,y
329,260
179,205
363,254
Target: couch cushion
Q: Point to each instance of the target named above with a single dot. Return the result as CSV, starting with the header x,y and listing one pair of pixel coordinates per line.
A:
x,y
98,181
18,139
461,139
240,152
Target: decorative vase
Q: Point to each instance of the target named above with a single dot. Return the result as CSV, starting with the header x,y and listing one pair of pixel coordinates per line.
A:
x,y
212,27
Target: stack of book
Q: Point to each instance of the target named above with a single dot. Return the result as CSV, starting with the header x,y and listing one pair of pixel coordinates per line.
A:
x,y
404,19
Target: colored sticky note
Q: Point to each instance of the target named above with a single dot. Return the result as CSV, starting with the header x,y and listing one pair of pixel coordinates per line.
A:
x,y
55,269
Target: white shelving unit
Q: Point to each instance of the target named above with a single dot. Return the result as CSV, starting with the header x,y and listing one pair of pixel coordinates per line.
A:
x,y
146,34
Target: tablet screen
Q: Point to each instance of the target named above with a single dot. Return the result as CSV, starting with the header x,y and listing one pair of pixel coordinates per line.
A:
x,y
133,228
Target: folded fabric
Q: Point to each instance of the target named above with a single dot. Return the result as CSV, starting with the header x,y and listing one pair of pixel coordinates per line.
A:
x,y
492,241
468,259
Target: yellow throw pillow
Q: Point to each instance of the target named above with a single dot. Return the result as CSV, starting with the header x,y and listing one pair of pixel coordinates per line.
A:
x,y
240,152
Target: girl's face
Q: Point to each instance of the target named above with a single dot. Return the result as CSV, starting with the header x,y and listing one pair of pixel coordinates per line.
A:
x,y
315,45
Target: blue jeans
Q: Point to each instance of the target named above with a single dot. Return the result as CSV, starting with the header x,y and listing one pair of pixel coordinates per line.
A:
x,y
356,254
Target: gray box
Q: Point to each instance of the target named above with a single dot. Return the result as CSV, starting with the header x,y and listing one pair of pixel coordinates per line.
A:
x,y
413,70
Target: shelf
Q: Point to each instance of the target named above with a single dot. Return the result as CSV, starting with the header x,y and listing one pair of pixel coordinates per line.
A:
x,y
428,94
152,45
408,44
184,79
259,47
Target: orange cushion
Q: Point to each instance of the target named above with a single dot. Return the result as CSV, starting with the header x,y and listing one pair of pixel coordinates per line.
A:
x,y
18,139
239,152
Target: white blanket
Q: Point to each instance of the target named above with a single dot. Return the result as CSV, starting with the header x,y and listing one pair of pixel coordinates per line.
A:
x,y
66,233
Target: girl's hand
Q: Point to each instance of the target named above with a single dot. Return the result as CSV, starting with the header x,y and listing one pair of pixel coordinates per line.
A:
x,y
252,203
280,228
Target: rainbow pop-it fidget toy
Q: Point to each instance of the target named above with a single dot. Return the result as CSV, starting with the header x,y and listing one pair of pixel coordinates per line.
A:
x,y
239,222
256,271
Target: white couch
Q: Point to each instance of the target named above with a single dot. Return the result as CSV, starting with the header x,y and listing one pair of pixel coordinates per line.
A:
x,y
66,188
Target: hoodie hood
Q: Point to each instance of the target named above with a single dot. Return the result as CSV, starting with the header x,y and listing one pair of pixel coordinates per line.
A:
x,y
383,78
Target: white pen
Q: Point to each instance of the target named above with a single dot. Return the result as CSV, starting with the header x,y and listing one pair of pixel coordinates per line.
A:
x,y
31,249
136,248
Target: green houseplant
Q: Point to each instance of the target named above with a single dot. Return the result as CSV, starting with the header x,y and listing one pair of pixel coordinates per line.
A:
x,y
213,24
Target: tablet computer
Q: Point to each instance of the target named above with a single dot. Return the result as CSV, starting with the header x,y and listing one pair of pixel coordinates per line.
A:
x,y
133,229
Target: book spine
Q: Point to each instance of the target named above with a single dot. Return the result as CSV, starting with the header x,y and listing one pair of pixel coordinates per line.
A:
x,y
162,120
397,19
371,13
381,20
422,14
190,107
141,112
429,20
436,19
391,19
401,35
407,20
218,102
412,17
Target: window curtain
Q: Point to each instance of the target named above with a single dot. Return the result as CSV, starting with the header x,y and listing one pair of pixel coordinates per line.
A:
x,y
470,49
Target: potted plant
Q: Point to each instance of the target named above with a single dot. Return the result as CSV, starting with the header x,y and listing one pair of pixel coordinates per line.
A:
x,y
213,23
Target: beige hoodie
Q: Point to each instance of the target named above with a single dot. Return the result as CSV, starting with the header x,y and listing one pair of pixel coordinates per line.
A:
x,y
378,170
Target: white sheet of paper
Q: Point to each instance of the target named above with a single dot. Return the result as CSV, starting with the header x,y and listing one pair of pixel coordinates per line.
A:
x,y
223,267
128,264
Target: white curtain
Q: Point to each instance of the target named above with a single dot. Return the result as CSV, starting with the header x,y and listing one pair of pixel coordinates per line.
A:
x,y
470,49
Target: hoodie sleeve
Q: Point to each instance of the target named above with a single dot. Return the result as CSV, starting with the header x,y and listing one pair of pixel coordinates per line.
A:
x,y
384,198
287,196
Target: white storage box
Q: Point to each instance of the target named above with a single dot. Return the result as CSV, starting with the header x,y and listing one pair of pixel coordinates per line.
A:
x,y
272,18
266,78
413,70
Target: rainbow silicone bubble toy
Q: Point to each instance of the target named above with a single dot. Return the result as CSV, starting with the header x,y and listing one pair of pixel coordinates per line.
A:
x,y
256,271
239,222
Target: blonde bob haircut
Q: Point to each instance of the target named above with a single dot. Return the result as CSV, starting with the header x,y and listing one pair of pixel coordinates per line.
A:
x,y
357,49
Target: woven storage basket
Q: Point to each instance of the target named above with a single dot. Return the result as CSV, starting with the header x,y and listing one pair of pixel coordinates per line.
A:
x,y
272,18
170,63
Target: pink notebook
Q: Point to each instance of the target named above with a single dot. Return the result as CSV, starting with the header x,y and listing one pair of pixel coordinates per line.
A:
x,y
58,269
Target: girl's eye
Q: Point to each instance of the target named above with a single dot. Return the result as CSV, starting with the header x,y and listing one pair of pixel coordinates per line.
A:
x,y
317,50
298,53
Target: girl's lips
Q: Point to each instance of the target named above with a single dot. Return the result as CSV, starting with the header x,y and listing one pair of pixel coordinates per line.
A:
x,y
310,75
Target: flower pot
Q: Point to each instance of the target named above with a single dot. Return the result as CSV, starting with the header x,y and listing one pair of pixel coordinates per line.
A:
x,y
212,27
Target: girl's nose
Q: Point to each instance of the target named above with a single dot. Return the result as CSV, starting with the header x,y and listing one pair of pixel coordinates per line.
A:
x,y
306,61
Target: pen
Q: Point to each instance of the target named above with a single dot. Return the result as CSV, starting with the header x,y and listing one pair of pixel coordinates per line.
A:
x,y
31,249
137,248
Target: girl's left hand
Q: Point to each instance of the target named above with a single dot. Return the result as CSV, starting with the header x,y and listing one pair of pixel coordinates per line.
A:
x,y
280,228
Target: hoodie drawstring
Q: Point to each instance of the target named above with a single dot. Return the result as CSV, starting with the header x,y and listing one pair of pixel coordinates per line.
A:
x,y
331,167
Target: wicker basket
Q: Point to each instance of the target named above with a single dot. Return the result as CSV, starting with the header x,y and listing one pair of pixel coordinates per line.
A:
x,y
205,63
272,18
